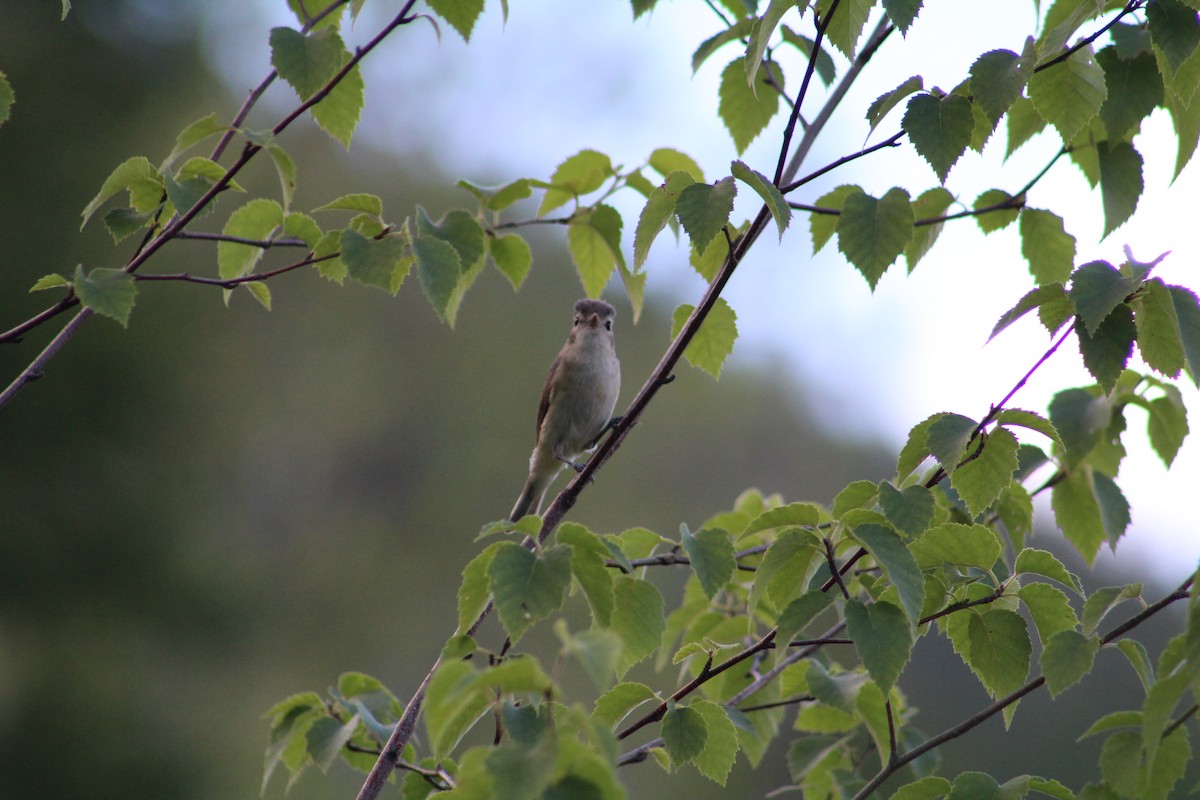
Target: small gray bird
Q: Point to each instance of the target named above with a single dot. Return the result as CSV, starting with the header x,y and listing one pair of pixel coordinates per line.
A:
x,y
577,401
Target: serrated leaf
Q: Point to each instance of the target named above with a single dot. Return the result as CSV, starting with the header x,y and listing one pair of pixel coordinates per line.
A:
x,y
883,637
845,27
929,204
684,734
873,233
898,563
720,745
761,31
902,12
1066,658
1069,95
1047,246
1050,609
1139,659
594,241
1096,289
512,257
1030,420
527,587
955,543
939,128
781,516
910,510
930,787
307,62
598,650
1077,512
995,210
981,479
1041,562
1107,351
995,645
1114,721
711,554
1158,332
1121,182
110,292
997,79
286,169
51,281
799,612
1134,90
461,14
855,495
1174,30
713,343
1167,426
617,702
193,134
582,173
1187,313
260,292
782,571
768,191
136,175
703,210
638,618
823,226
947,439
451,706
120,222
1024,122
475,589
375,262
257,219
1102,601
882,105
327,737
825,68
659,208
510,193
439,270
746,110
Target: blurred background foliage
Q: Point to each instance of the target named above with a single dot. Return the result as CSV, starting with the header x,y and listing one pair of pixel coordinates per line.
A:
x,y
219,507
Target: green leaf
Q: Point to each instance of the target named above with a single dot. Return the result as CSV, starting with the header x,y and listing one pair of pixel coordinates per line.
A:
x,y
768,191
1114,508
659,208
1096,289
589,554
439,270
823,226
1134,90
981,479
136,175
457,228
845,27
1187,312
873,233
883,104
713,343
1032,561
598,650
781,516
955,543
857,494
666,160
512,257
615,704
1121,182
1002,214
51,281
930,787
1077,512
193,134
1030,420
737,31
910,510
360,202
1070,94
260,292
781,573
594,239
582,173
929,204
825,68
1050,609
711,554
110,292
461,14
381,263
684,734
638,618
1167,426
257,219
1139,659
997,79
1102,601
451,707
1107,351
307,62
902,12
939,128
1024,122
899,565
1174,30
703,210
121,222
327,737
7,97
746,110
1158,334
1047,246
1066,658
995,645
1080,419
975,786
948,437
1169,765
720,745
527,587
286,169
1114,721
760,34
1120,761
508,194
883,637
800,612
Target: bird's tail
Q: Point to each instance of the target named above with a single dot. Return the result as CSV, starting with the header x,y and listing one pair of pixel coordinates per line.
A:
x,y
530,501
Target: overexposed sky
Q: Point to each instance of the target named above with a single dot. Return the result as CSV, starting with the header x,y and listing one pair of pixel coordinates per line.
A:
x,y
561,76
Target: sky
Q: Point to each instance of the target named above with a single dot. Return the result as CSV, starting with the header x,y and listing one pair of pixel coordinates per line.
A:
x,y
530,91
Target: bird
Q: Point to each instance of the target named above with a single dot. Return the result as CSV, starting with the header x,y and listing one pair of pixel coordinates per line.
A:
x,y
577,401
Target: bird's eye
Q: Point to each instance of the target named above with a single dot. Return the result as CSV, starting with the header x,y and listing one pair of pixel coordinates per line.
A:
x,y
608,324
576,322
